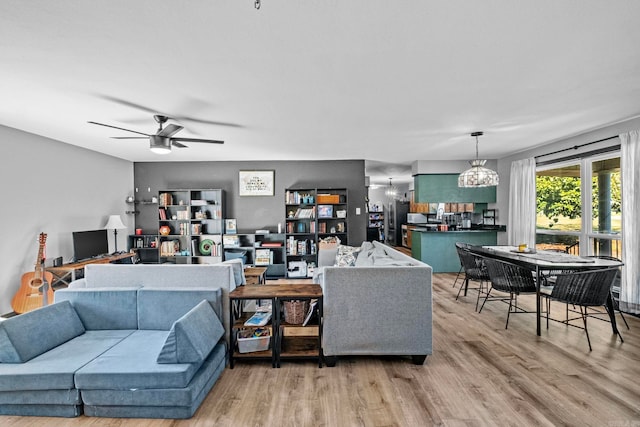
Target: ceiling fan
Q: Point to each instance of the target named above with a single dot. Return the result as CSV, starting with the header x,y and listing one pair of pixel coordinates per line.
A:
x,y
162,141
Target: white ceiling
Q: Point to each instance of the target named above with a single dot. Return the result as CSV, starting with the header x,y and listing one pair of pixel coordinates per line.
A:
x,y
390,82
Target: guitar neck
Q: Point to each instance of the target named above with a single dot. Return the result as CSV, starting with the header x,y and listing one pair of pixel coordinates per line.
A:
x,y
40,257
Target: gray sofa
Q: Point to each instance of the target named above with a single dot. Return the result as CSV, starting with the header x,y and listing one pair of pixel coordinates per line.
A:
x,y
113,352
379,305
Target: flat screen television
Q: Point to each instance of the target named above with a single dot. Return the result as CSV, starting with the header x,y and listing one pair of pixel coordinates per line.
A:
x,y
89,244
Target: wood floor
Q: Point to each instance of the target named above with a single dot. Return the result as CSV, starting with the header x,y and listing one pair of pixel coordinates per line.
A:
x,y
479,375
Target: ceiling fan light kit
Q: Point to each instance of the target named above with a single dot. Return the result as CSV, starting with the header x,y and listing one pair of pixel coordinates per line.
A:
x,y
478,175
159,144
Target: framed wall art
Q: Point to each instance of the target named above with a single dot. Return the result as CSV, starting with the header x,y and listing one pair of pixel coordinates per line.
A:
x,y
256,183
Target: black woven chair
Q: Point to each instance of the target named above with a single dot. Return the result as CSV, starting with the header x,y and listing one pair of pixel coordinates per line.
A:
x,y
474,269
584,289
512,279
616,284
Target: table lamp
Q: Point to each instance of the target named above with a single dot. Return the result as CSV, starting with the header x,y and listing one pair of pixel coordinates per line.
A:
x,y
115,223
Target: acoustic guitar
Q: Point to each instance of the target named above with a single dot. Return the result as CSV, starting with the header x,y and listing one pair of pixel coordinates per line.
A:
x,y
30,295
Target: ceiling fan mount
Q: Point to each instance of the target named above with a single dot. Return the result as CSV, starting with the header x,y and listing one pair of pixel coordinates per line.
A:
x,y
162,141
160,119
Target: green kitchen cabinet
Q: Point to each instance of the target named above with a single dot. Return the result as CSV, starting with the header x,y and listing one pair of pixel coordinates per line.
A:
x,y
434,188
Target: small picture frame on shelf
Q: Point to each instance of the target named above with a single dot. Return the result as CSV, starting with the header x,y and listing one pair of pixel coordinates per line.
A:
x,y
256,183
230,226
325,211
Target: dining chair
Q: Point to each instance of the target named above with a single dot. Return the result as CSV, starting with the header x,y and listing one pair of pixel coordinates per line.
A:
x,y
616,284
512,279
584,289
474,269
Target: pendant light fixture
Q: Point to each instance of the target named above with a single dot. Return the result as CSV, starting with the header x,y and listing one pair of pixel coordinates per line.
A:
x,y
391,191
478,175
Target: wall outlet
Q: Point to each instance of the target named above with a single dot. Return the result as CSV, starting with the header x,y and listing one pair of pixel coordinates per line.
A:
x,y
357,211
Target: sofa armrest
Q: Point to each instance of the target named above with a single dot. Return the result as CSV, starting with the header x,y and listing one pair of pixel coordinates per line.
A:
x,y
78,283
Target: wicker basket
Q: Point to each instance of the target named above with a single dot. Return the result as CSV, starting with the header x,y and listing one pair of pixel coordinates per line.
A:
x,y
295,311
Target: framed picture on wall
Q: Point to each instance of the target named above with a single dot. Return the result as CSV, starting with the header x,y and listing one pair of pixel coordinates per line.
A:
x,y
256,183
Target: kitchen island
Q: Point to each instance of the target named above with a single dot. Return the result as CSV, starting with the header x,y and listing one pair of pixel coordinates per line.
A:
x,y
438,248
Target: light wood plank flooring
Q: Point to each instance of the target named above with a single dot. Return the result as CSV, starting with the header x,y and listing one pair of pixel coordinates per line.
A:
x,y
479,375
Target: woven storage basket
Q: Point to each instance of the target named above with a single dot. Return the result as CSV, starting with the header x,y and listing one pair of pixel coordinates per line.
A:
x,y
295,311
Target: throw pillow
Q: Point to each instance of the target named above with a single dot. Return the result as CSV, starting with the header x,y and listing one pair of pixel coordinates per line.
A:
x,y
193,336
365,256
29,335
346,256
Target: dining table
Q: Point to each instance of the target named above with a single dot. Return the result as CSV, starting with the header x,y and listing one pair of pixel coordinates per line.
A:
x,y
542,262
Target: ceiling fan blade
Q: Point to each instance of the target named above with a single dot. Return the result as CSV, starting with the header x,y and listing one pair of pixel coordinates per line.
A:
x,y
128,103
206,122
177,144
129,137
116,127
170,130
209,141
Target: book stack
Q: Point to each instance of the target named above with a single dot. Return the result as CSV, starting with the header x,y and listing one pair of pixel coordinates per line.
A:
x,y
264,257
166,199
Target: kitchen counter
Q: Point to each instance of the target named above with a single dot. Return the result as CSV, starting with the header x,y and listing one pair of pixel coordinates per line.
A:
x,y
438,248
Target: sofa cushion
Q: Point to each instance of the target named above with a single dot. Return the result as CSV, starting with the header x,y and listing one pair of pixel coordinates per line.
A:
x,y
54,369
159,308
346,256
193,336
238,270
365,256
30,334
131,364
103,308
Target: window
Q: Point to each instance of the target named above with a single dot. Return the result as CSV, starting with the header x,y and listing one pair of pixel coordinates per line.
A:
x,y
578,206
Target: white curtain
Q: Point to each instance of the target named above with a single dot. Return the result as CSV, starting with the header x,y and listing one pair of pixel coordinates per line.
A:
x,y
630,158
521,227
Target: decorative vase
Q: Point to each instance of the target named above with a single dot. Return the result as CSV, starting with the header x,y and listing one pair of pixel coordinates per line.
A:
x,y
165,230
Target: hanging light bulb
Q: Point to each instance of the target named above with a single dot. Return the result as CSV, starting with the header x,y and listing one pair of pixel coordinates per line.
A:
x,y
478,175
391,191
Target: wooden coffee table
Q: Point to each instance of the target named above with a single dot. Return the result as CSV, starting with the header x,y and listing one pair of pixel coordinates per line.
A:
x,y
287,340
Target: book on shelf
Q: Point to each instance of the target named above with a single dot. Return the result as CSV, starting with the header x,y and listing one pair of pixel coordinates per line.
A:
x,y
304,213
162,214
263,257
259,318
272,244
166,199
231,240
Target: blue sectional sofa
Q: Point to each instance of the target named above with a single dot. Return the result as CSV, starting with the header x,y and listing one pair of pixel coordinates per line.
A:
x,y
130,352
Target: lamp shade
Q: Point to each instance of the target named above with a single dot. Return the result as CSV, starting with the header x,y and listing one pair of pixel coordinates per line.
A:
x,y
114,223
478,176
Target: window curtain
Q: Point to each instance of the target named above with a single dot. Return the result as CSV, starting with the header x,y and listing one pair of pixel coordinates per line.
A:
x,y
522,203
630,284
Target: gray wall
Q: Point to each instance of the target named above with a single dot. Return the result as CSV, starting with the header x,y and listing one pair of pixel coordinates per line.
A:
x,y
264,212
54,188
